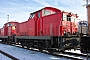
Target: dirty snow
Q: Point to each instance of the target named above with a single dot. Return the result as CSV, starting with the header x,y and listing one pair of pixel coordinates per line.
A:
x,y
24,54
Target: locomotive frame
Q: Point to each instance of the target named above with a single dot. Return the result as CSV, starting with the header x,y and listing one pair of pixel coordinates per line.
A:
x,y
44,42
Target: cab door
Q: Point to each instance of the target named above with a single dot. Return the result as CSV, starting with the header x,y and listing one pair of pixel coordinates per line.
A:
x,y
38,24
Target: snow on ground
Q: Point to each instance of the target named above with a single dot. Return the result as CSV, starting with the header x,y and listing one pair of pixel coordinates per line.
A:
x,y
79,52
74,51
24,54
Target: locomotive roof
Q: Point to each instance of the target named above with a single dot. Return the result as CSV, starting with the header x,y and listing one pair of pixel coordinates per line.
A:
x,y
51,8
10,22
84,23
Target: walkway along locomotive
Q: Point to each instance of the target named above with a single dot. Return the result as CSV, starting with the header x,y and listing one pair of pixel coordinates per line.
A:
x,y
46,29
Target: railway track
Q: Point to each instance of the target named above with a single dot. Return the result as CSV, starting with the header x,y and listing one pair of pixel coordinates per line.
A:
x,y
77,54
65,55
68,55
8,55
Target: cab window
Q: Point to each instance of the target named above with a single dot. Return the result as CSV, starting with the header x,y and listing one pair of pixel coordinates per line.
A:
x,y
64,17
9,24
47,12
38,14
68,18
31,16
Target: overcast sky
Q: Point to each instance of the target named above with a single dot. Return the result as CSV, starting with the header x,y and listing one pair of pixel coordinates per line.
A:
x,y
19,10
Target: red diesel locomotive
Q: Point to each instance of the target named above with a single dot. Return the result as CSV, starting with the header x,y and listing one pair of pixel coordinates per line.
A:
x,y
48,28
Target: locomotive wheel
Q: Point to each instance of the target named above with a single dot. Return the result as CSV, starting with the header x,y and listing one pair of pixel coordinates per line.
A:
x,y
27,45
40,46
82,49
50,51
22,44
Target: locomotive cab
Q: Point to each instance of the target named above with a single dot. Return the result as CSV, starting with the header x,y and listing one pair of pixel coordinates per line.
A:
x,y
10,29
69,24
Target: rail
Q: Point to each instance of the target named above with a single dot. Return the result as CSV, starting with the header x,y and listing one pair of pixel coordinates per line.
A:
x,y
8,55
56,54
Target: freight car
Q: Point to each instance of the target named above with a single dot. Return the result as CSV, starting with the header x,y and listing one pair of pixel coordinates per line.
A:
x,y
46,29
85,40
83,27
